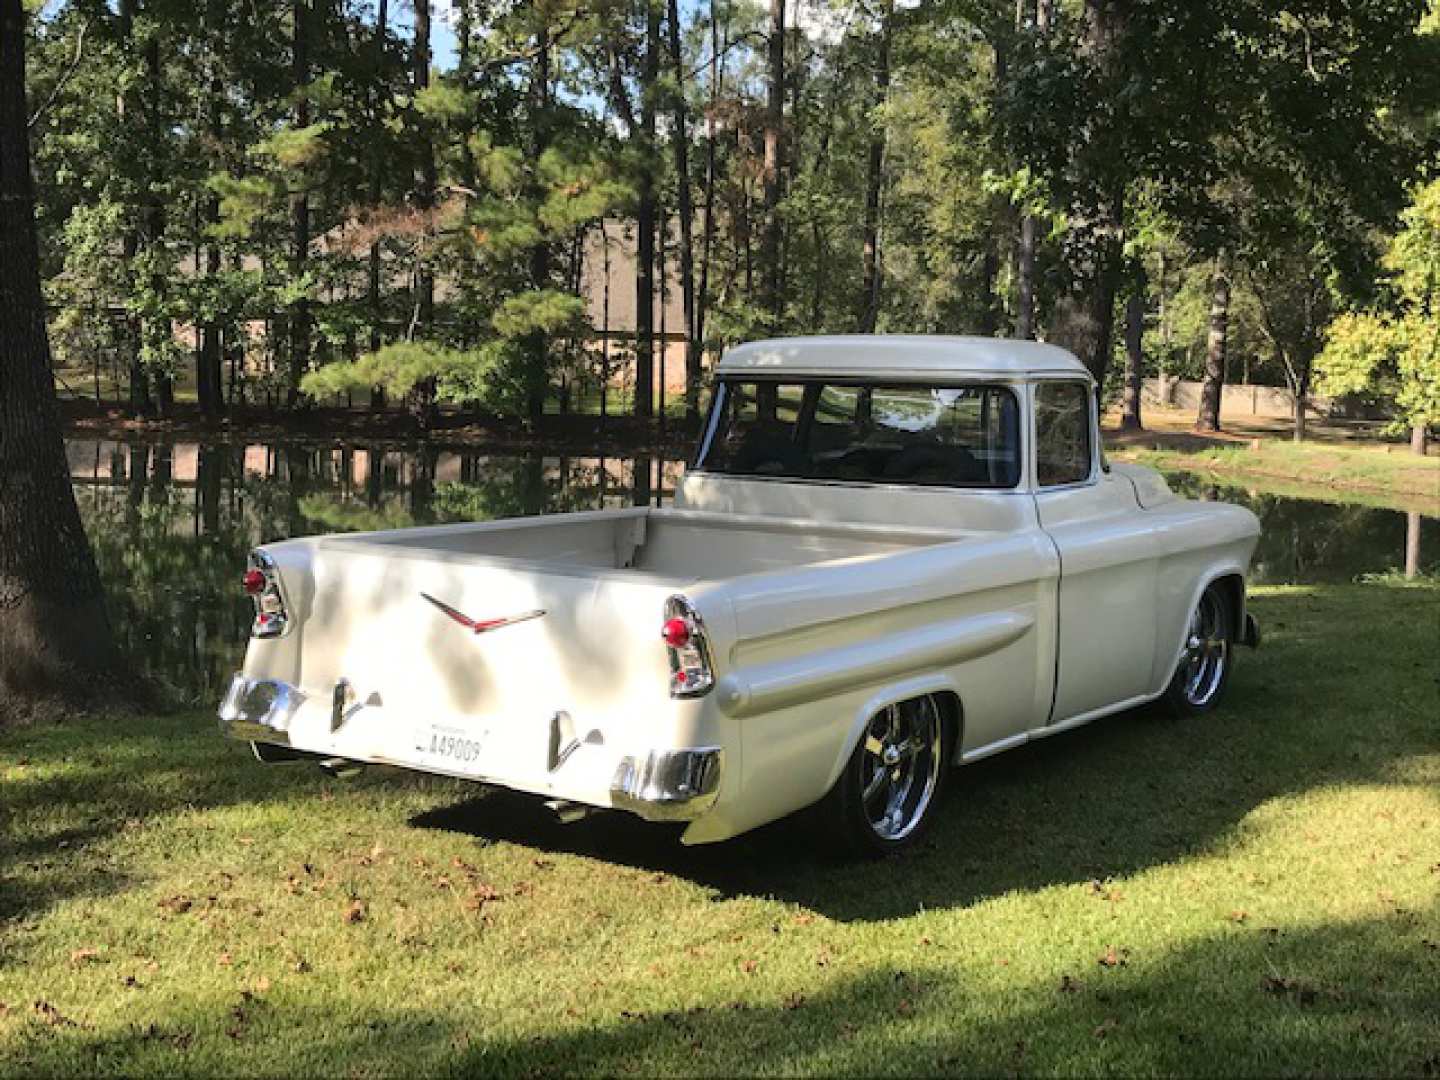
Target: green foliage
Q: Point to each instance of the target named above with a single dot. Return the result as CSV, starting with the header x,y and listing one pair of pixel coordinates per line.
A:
x,y
1239,124
1395,355
398,368
295,148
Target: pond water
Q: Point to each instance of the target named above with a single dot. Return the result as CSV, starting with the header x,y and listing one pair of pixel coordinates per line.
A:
x,y
172,522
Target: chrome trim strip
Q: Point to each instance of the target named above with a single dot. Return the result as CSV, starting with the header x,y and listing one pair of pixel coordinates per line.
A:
x,y
669,785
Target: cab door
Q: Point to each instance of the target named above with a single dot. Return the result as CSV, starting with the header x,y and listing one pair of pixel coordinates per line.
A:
x,y
1109,557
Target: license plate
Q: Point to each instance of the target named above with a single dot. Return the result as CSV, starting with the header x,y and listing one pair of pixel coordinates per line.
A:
x,y
450,748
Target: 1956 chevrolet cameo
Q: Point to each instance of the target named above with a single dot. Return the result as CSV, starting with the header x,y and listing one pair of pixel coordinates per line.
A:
x,y
891,555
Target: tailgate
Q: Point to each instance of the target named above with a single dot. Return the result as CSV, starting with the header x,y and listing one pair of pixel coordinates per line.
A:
x,y
423,688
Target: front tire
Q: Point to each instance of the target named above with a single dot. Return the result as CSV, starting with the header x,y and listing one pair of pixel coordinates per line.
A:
x,y
888,792
1209,649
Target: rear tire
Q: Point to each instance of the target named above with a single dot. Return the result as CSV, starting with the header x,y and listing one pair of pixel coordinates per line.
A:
x,y
888,792
1205,660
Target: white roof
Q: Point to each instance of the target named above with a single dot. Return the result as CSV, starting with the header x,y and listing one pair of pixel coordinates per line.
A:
x,y
900,354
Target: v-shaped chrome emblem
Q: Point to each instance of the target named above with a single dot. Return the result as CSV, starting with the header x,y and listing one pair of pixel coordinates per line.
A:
x,y
482,626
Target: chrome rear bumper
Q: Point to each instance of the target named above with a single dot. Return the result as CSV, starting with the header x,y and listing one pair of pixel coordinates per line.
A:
x,y
658,785
259,710
669,785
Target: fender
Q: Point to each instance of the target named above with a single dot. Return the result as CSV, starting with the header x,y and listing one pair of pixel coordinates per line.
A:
x,y
1211,575
892,694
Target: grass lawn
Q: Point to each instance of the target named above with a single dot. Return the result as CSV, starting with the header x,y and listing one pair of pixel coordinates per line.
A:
x,y
1257,892
1340,458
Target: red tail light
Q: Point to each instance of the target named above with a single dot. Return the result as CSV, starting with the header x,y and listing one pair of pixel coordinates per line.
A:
x,y
691,672
262,584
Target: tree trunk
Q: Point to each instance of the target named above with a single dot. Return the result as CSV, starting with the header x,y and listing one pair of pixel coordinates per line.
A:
x,y
1029,227
1134,356
536,347
1412,544
1025,280
874,180
645,220
426,180
686,209
426,177
139,382
299,206
712,131
1104,286
209,372
54,634
1214,383
774,300
1163,367
989,324
161,328
1418,439
372,277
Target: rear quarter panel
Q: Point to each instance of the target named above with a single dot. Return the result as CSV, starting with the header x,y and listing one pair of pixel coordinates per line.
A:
x,y
808,656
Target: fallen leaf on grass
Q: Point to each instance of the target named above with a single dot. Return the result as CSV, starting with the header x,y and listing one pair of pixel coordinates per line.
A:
x,y
1107,1025
84,956
793,1002
1238,916
355,913
1280,986
1069,985
1114,957
262,984
131,983
749,966
225,959
177,905
53,1016
302,966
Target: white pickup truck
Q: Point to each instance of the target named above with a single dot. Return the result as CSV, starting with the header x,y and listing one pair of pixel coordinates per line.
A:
x,y
891,555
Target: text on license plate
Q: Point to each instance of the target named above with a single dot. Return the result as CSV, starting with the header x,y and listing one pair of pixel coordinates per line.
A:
x,y
449,745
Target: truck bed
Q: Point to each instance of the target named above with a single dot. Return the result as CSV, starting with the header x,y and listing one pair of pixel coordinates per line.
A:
x,y
676,546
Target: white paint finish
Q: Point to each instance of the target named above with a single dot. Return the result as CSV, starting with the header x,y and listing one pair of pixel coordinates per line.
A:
x,y
1108,567
898,355
822,602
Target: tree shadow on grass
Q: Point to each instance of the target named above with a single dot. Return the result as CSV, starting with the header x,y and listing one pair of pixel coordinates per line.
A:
x,y
1130,792
1346,998
66,788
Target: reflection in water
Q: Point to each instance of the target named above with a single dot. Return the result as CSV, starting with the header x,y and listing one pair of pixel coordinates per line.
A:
x,y
172,522
1306,540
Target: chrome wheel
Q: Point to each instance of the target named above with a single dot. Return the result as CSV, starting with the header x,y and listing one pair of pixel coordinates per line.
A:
x,y
1207,651
900,766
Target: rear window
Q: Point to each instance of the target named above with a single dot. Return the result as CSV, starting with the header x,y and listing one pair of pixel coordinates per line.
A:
x,y
954,436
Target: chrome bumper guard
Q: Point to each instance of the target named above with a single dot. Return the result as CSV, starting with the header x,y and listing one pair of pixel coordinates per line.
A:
x,y
259,710
669,785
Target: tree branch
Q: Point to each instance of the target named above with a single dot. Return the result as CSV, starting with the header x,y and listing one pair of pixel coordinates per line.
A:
x,y
60,83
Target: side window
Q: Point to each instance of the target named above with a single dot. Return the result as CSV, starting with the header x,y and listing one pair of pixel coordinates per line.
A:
x,y
1062,433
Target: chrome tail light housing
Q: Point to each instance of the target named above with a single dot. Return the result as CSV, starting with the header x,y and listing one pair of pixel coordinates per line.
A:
x,y
262,583
692,674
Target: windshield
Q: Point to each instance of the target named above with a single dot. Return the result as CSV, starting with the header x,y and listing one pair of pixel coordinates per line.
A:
x,y
955,436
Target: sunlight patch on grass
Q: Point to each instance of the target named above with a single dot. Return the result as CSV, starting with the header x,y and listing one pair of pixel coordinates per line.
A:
x,y
1254,892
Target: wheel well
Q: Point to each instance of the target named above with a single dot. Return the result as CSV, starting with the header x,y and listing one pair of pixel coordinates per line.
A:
x,y
1232,587
953,713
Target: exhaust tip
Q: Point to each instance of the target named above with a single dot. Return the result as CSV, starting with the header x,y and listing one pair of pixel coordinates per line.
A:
x,y
341,768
